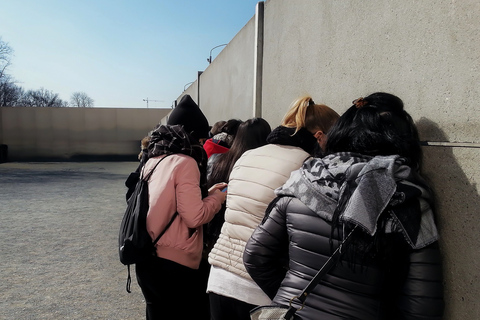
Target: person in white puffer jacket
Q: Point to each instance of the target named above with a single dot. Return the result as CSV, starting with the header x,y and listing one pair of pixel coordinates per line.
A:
x,y
254,177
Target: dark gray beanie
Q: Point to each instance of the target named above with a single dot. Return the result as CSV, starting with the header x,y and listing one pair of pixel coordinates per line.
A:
x,y
188,114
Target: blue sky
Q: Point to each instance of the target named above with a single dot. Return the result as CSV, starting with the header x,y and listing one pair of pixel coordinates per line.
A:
x,y
118,52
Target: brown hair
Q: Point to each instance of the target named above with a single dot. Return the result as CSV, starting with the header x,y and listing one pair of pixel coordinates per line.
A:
x,y
304,113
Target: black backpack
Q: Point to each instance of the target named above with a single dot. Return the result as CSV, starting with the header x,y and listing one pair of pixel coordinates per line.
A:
x,y
134,242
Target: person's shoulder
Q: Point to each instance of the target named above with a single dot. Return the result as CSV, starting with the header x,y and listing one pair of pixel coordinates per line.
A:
x,y
181,165
172,159
282,151
183,159
266,149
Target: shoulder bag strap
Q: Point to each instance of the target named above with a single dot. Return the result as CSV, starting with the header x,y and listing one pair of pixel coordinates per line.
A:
x,y
331,262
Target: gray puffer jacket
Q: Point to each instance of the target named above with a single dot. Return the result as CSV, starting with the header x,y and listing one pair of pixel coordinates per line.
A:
x,y
293,242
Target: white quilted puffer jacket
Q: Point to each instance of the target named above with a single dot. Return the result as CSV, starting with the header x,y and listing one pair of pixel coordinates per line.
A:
x,y
254,177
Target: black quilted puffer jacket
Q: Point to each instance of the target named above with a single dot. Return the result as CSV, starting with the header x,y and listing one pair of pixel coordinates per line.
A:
x,y
293,242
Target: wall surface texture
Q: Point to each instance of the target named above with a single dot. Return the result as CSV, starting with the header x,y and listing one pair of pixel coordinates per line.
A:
x,y
426,52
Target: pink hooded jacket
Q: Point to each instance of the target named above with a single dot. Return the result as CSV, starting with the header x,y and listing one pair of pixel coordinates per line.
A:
x,y
174,186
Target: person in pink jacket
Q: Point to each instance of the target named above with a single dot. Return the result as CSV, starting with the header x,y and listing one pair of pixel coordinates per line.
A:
x,y
170,281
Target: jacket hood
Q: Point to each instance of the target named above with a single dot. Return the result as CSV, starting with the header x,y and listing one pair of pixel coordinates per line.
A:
x,y
188,114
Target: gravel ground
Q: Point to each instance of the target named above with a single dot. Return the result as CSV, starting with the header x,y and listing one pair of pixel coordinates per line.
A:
x,y
58,242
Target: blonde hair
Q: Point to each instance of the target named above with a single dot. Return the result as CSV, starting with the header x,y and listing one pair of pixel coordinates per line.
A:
x,y
304,113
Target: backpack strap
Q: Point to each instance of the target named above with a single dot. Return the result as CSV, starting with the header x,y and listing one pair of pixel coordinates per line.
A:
x,y
166,227
147,177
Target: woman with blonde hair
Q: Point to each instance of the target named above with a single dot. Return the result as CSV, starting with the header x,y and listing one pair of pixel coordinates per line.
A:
x,y
252,181
317,119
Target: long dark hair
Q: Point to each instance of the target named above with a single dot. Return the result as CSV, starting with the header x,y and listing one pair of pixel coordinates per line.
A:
x,y
231,126
376,125
250,134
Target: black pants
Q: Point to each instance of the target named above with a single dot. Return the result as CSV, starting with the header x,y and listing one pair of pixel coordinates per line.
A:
x,y
225,308
172,291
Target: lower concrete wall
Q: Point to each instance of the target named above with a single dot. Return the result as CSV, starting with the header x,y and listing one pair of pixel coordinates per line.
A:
x,y
454,174
75,133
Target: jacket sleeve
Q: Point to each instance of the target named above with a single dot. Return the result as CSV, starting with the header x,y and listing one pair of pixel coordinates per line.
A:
x,y
422,294
266,253
194,210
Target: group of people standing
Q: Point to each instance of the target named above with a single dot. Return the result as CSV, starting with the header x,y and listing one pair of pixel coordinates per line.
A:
x,y
261,210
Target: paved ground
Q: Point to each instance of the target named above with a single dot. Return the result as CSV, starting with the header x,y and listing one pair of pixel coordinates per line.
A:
x,y
58,242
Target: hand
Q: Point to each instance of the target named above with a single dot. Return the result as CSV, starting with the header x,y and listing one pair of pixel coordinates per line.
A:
x,y
216,188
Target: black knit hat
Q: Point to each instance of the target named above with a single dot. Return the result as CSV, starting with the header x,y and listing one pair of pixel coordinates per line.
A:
x,y
188,114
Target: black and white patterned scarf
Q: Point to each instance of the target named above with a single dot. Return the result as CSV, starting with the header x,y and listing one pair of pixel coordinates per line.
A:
x,y
372,192
170,139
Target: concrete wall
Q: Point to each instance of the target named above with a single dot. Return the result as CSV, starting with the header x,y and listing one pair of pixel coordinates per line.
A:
x,y
75,133
424,51
427,53
225,89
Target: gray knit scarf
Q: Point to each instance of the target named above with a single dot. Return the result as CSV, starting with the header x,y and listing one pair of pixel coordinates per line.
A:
x,y
375,193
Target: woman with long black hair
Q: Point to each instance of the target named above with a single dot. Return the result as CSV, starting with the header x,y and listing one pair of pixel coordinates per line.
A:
x,y
369,180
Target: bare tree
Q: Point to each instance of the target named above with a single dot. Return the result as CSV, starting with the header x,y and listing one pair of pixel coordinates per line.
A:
x,y
10,94
42,98
81,100
6,53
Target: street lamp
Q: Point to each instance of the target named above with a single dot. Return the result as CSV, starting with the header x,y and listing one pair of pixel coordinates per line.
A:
x,y
210,59
185,86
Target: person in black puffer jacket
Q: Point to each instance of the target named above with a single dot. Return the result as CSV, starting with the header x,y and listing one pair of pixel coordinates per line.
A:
x,y
368,178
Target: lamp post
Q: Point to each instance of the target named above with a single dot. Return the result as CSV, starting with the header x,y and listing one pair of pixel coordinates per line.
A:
x,y
185,86
210,59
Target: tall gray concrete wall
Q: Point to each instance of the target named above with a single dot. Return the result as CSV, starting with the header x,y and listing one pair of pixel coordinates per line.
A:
x,y
75,133
225,89
427,53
